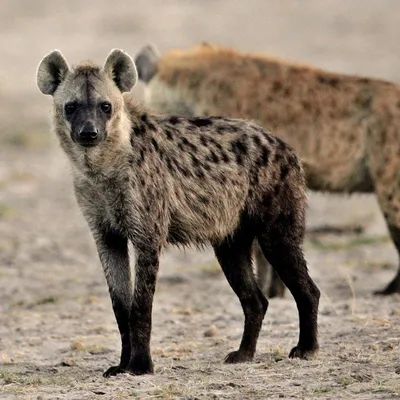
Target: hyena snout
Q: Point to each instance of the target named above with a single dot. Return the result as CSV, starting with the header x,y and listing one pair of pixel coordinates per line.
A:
x,y
88,135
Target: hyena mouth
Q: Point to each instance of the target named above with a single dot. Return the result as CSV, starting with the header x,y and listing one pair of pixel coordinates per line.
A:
x,y
87,145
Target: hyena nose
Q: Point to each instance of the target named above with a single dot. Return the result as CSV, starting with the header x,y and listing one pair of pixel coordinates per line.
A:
x,y
88,132
88,135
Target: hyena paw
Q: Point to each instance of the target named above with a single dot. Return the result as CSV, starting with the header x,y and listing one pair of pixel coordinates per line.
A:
x,y
298,352
237,357
392,288
113,371
140,367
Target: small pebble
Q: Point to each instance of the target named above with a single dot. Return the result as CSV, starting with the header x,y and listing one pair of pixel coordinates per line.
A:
x,y
211,331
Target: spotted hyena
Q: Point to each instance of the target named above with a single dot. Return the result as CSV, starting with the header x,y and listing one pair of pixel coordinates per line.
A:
x,y
154,180
345,128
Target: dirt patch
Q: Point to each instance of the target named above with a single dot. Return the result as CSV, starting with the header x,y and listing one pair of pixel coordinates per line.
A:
x,y
57,330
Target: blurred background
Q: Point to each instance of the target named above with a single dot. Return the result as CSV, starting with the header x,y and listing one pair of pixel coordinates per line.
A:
x,y
358,37
54,305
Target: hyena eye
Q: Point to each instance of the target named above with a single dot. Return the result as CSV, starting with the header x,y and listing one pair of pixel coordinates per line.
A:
x,y
70,108
106,107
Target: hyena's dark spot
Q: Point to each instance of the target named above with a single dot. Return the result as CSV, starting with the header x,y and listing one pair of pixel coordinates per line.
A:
x,y
328,80
365,81
239,148
225,157
169,134
278,157
220,130
200,122
213,141
141,158
204,140
218,146
263,160
212,157
241,145
189,144
155,144
254,177
204,199
294,162
281,143
199,173
140,130
184,171
276,86
175,120
181,146
287,91
222,179
170,165
195,161
146,120
284,172
257,140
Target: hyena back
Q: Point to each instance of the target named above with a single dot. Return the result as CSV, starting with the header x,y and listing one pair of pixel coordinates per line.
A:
x,y
345,128
155,180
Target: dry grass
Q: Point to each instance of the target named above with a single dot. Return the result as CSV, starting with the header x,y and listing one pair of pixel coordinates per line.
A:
x,y
340,244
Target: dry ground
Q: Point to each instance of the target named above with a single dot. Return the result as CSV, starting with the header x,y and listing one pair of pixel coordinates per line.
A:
x,y
57,330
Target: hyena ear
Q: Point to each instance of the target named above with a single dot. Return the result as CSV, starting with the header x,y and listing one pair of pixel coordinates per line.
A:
x,y
121,68
146,62
51,72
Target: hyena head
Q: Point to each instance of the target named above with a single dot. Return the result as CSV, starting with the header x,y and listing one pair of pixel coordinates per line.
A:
x,y
88,101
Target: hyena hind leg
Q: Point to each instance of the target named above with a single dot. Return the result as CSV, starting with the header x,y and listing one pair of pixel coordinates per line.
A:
x,y
283,250
234,256
394,284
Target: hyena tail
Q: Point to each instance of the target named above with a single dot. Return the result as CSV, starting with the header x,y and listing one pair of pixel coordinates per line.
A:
x,y
313,174
146,62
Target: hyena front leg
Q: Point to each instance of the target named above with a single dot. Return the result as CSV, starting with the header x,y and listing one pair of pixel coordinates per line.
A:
x,y
140,321
112,247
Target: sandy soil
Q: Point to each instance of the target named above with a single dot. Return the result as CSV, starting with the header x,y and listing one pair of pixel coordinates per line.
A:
x,y
57,330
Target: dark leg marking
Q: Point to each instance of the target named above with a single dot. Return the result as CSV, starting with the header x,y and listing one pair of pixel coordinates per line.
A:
x,y
141,312
234,256
113,252
282,248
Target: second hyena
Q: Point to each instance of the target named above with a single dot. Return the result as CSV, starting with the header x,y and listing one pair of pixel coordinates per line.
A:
x,y
346,129
155,180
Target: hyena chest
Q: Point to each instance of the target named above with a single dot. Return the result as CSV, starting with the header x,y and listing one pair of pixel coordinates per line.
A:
x,y
114,203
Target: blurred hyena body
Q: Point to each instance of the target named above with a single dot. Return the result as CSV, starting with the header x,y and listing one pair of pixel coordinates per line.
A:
x,y
155,180
346,129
